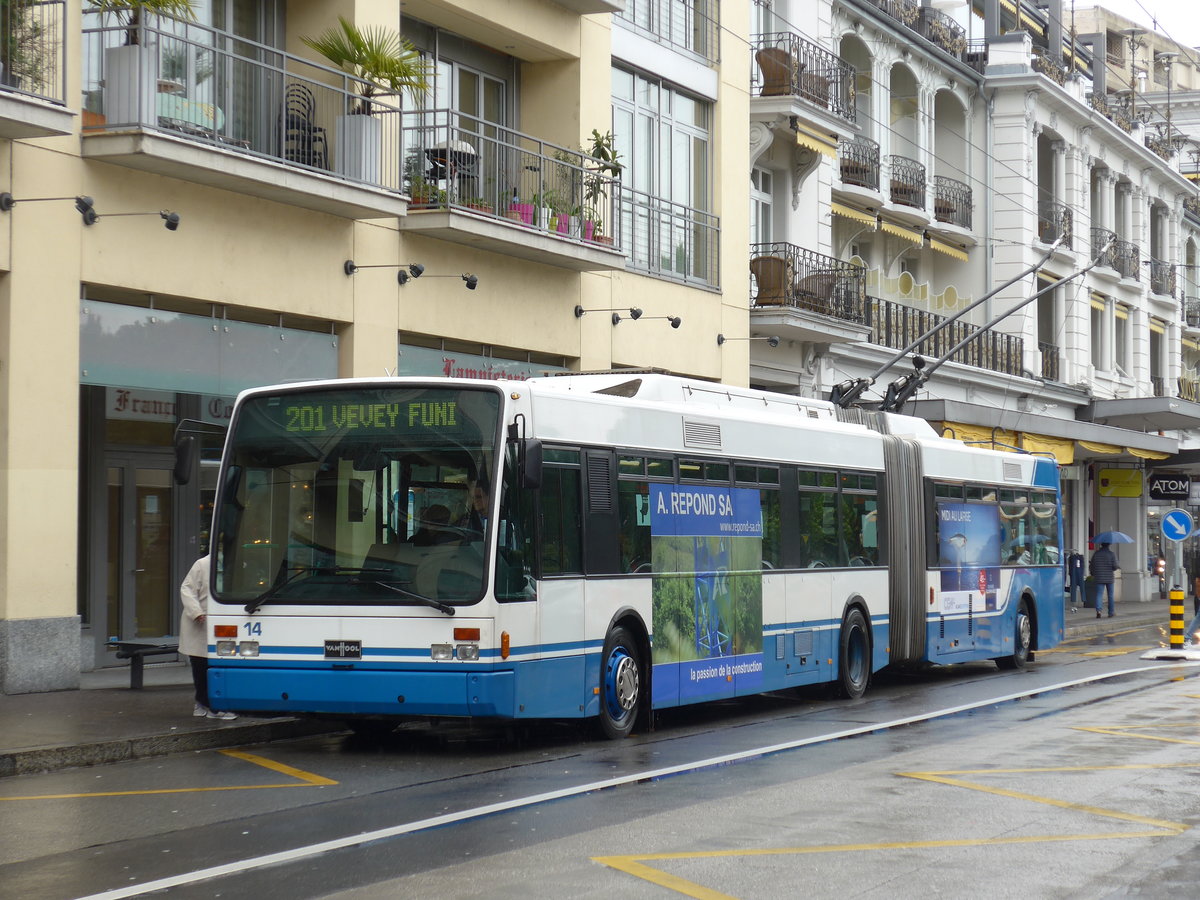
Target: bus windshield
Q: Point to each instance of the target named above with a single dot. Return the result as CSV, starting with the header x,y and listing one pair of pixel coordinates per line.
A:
x,y
357,495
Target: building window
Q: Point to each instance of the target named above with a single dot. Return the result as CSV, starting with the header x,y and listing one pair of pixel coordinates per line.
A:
x,y
1121,339
664,138
761,184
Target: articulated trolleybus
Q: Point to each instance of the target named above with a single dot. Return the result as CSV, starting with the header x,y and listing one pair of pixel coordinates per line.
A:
x,y
606,545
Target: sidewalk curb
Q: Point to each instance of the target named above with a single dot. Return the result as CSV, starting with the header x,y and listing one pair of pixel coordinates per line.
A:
x,y
41,760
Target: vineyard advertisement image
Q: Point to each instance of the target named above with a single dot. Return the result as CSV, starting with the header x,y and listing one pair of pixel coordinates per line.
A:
x,y
707,594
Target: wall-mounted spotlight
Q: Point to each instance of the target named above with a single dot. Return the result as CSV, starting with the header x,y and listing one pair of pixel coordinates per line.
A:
x,y
634,312
675,321
772,341
409,270
86,207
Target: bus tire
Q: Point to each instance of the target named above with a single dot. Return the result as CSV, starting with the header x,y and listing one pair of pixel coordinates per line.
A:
x,y
621,691
1022,640
854,656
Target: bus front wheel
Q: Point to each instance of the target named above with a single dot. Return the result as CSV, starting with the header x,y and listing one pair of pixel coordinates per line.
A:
x,y
854,658
1022,640
620,684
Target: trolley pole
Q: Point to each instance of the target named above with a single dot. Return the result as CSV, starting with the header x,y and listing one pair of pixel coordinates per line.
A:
x,y
1176,599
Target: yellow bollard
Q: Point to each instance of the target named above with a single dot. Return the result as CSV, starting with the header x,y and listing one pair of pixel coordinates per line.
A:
x,y
1175,596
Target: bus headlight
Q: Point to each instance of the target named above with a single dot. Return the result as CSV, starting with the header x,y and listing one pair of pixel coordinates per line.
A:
x,y
226,648
248,648
467,651
441,651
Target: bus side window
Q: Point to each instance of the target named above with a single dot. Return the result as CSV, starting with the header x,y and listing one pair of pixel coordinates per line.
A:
x,y
515,547
818,526
562,540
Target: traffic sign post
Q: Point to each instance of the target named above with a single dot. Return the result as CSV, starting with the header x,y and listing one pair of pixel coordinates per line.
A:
x,y
1176,525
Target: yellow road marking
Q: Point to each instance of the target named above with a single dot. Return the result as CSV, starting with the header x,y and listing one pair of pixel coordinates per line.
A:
x,y
1127,731
635,864
304,779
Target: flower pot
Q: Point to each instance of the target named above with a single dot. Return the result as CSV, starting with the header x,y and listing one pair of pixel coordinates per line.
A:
x,y
356,147
131,85
589,228
545,218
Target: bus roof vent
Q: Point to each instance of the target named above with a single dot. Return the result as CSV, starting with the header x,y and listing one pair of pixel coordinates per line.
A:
x,y
702,434
1012,472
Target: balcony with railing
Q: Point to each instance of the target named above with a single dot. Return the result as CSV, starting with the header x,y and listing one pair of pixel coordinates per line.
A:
x,y
858,163
907,182
1050,361
1191,312
787,65
1158,385
897,325
33,69
942,31
952,203
472,182
1055,221
692,27
1104,247
1191,207
906,12
1053,70
669,240
1162,277
826,294
1127,259
191,102
1189,389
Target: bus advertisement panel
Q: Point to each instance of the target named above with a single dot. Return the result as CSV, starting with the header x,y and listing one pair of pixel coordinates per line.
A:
x,y
707,594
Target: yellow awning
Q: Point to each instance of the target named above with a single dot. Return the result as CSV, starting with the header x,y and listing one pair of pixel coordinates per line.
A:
x,y
1062,448
977,435
1097,304
1095,447
1146,454
849,212
814,143
1191,345
949,249
901,232
1157,326
1121,312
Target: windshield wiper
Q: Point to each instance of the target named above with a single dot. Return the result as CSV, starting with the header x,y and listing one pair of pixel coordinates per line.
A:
x,y
300,571
428,601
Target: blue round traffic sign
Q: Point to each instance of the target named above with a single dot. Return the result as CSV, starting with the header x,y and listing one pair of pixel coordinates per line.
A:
x,y
1176,525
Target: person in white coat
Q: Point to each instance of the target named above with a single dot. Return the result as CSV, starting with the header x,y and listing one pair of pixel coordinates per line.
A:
x,y
193,639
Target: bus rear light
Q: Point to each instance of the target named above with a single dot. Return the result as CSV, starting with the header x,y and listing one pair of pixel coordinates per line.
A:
x,y
467,651
248,648
441,651
466,634
226,648
224,631
504,645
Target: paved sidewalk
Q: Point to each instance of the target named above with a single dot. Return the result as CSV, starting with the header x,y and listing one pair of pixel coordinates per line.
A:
x,y
105,721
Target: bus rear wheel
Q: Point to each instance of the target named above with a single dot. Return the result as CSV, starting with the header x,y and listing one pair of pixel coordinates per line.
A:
x,y
621,693
854,656
1022,640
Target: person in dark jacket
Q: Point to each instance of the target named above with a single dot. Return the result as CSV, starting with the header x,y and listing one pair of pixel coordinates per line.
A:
x,y
1104,570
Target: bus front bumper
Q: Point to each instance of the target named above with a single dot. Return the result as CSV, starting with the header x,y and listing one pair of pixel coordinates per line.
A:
x,y
368,692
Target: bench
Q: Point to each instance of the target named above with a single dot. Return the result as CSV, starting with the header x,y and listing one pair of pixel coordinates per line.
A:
x,y
136,653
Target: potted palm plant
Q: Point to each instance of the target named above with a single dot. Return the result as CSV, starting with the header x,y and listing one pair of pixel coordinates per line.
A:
x,y
384,64
606,165
131,70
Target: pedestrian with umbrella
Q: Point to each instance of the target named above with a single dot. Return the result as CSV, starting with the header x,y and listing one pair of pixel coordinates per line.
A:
x,y
1104,566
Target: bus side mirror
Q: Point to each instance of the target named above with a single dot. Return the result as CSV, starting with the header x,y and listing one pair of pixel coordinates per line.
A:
x,y
185,456
531,463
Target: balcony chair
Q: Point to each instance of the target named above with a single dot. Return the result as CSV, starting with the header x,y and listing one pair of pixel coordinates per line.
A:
x,y
778,67
304,141
815,88
771,274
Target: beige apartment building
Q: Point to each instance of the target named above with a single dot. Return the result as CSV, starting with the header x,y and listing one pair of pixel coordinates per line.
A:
x,y
190,208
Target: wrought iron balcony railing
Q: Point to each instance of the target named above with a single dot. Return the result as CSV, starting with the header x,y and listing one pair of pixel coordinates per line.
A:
x,y
1191,311
1158,384
1050,361
693,26
942,31
858,161
906,12
788,275
33,40
789,65
1127,259
191,81
1191,207
1162,277
456,161
1055,71
897,325
907,186
670,240
1054,221
952,201
1189,389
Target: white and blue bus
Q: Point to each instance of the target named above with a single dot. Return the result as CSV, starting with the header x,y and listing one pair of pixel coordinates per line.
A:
x,y
603,546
